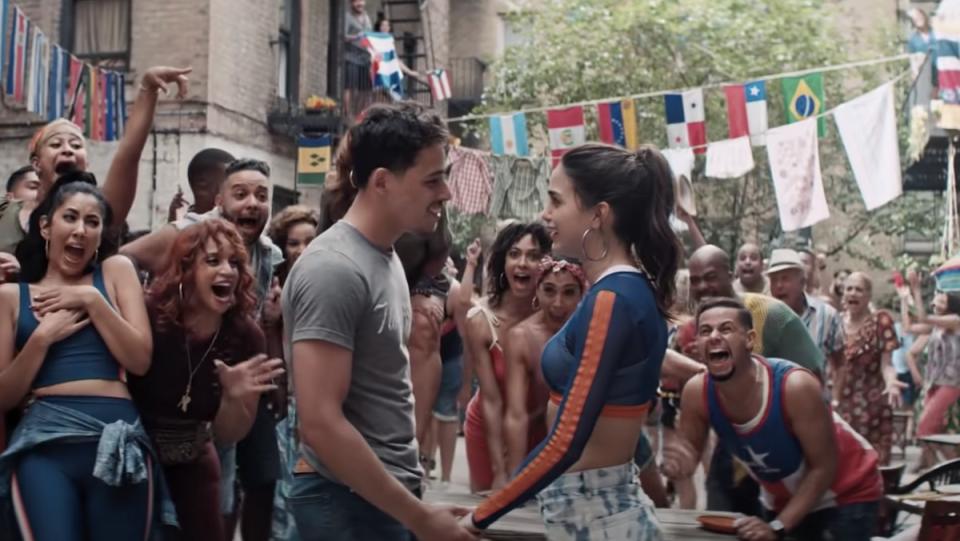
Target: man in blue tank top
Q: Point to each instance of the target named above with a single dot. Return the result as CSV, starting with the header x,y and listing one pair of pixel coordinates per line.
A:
x,y
818,478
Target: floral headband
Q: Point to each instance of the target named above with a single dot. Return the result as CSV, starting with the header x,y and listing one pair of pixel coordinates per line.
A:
x,y
549,265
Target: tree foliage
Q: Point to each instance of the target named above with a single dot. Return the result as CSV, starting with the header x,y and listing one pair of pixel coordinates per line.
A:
x,y
579,50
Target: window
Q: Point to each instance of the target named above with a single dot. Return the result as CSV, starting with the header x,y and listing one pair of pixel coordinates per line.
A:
x,y
288,42
100,32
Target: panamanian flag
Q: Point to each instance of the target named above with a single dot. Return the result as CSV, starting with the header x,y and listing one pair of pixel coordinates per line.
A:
x,y
686,121
747,111
384,64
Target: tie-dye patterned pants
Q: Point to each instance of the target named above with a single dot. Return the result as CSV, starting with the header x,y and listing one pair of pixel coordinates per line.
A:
x,y
605,503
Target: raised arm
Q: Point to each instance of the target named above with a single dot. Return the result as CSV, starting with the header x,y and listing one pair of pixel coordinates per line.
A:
x,y
915,350
120,187
151,251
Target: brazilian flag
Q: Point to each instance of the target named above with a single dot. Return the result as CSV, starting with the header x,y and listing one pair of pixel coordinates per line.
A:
x,y
313,159
803,98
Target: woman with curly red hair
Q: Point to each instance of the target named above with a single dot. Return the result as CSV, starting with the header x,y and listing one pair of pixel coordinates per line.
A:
x,y
208,368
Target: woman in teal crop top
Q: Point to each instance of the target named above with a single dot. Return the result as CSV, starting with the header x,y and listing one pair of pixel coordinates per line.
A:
x,y
610,208
68,334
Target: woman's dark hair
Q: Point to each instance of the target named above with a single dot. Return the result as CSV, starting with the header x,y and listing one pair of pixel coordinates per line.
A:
x,y
32,250
497,264
638,186
381,17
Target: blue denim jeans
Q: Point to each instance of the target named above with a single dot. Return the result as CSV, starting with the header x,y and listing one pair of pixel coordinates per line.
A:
x,y
328,511
605,503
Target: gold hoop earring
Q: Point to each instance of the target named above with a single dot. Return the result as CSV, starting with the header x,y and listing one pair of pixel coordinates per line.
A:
x,y
46,247
583,246
180,290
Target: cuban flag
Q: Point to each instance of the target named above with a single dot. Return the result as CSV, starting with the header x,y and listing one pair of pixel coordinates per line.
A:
x,y
17,56
384,64
747,111
508,135
686,122
618,123
439,84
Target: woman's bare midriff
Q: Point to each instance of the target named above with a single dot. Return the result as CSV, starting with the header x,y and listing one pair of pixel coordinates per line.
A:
x,y
612,443
86,387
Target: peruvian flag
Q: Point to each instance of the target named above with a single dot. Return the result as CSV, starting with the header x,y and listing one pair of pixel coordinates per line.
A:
x,y
747,111
440,84
686,121
17,61
566,130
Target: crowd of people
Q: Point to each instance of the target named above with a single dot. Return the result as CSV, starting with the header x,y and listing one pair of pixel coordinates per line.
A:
x,y
296,378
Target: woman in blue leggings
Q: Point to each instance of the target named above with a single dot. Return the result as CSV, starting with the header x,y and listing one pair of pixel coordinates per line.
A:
x,y
79,465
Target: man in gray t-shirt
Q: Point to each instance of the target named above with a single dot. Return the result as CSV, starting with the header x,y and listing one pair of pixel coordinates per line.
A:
x,y
346,313
347,291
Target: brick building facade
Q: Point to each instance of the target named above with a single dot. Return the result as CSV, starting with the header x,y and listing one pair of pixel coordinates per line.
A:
x,y
238,49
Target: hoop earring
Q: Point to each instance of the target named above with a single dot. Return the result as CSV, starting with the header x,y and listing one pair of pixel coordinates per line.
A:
x,y
46,247
583,246
96,255
502,281
535,303
180,290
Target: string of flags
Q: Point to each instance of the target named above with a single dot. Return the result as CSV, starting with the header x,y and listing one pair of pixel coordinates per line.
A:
x,y
48,81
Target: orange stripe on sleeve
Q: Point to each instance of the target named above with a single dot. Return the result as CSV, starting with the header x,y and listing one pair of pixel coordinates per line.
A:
x,y
562,435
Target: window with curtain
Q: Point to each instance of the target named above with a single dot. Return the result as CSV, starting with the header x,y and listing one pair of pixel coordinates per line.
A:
x,y
101,31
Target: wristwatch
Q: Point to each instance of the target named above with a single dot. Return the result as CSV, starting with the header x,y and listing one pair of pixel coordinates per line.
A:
x,y
779,529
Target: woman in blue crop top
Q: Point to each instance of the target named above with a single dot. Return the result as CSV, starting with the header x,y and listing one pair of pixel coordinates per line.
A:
x,y
79,464
610,208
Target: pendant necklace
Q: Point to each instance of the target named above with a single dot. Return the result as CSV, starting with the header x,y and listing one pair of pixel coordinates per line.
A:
x,y
184,402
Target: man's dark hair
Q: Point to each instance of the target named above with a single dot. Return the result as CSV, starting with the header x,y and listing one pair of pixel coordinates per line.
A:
x,y
390,136
205,161
743,315
248,164
18,175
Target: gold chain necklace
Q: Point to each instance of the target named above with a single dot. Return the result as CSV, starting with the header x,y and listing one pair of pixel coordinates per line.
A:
x,y
185,400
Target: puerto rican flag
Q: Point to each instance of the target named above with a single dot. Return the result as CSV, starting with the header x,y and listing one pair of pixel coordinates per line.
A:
x,y
747,111
686,121
17,56
439,84
566,130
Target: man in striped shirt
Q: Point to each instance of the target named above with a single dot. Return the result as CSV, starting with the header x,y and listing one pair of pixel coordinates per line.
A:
x,y
787,275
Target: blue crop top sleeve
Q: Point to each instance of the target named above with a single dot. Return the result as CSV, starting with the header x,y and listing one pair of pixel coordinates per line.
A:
x,y
605,360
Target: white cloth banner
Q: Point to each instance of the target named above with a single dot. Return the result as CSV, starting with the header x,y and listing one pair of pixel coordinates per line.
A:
x,y
868,127
681,162
731,158
795,166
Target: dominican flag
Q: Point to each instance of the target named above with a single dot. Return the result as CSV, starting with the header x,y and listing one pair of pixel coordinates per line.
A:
x,y
57,82
17,57
384,64
747,111
686,122
566,130
440,84
618,123
37,75
508,135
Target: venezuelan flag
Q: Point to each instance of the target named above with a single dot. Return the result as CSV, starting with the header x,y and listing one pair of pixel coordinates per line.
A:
x,y
618,123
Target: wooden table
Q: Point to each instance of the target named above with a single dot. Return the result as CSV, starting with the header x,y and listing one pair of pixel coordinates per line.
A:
x,y
524,523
